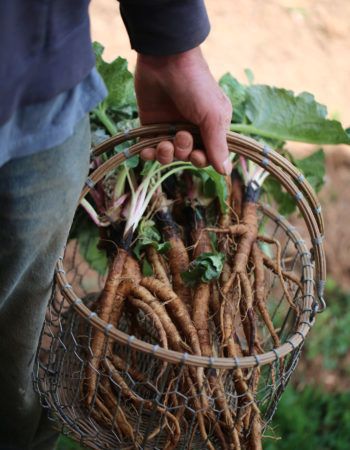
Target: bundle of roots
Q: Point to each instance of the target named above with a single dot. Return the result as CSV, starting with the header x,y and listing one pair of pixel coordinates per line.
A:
x,y
219,317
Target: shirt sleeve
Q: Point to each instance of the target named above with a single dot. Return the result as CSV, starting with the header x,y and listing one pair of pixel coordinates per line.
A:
x,y
165,27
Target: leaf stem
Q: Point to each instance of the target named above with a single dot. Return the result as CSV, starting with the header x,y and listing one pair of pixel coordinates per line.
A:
x,y
105,120
141,198
120,183
250,129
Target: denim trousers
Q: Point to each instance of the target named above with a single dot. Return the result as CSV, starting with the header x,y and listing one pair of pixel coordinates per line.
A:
x,y
38,197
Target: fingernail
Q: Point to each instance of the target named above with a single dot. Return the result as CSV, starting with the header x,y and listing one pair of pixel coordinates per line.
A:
x,y
227,165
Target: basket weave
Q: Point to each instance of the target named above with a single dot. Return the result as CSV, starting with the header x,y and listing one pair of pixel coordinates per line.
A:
x,y
67,332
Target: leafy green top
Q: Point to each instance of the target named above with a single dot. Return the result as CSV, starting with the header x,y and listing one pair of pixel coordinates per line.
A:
x,y
149,235
205,268
119,81
279,115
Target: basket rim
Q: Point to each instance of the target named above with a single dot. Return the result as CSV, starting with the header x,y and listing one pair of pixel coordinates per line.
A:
x,y
285,172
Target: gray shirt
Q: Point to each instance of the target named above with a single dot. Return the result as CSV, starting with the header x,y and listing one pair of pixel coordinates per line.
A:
x,y
47,124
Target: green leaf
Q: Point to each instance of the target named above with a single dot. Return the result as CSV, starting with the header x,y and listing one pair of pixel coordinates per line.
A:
x,y
132,162
147,269
119,81
236,92
311,418
65,443
88,238
125,125
214,185
149,235
279,114
250,76
314,168
205,268
98,50
285,203
147,167
98,135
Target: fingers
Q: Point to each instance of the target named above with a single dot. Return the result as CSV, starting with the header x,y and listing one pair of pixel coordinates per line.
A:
x,y
183,145
165,152
148,154
198,158
214,139
213,131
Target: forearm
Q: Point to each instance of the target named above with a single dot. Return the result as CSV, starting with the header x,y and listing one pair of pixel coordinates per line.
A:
x,y
173,82
165,27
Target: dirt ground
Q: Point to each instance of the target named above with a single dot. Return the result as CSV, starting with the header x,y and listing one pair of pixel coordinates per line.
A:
x,y
298,44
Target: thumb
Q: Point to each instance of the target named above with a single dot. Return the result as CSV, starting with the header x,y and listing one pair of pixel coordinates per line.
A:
x,y
213,133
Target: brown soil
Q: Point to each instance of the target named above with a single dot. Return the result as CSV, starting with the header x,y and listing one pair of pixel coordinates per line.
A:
x,y
298,44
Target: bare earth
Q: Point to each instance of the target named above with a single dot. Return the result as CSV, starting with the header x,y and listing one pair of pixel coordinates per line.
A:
x,y
298,44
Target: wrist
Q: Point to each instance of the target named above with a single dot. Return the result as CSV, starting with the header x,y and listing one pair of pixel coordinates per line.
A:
x,y
178,60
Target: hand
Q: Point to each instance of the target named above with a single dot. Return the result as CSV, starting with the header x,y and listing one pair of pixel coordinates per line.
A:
x,y
180,88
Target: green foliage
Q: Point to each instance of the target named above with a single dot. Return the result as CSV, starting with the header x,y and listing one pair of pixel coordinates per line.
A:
x,y
331,334
119,81
214,185
250,76
286,204
147,269
273,116
314,168
310,419
149,235
65,443
205,268
279,114
236,92
88,238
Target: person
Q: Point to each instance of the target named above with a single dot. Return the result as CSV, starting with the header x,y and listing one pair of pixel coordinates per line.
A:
x,y
48,85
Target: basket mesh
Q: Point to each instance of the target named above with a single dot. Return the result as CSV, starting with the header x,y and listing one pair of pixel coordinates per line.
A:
x,y
148,393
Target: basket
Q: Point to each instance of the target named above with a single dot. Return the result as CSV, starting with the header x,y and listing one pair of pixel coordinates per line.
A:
x,y
148,383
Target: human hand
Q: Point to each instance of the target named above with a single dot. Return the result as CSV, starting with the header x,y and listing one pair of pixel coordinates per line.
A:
x,y
180,88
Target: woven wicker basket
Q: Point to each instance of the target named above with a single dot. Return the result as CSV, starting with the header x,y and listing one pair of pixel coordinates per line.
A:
x,y
151,372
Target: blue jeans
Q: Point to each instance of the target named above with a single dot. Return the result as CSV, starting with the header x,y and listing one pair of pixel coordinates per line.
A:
x,y
38,197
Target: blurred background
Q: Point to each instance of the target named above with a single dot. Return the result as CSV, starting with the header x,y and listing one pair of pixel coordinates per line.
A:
x,y
301,45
